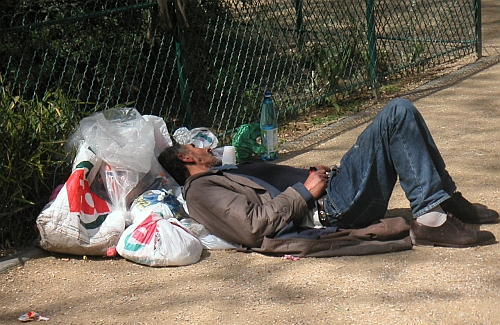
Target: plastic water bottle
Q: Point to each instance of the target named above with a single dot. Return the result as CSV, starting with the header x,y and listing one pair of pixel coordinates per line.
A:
x,y
269,128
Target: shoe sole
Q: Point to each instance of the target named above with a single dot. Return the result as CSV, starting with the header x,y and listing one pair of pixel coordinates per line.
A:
x,y
420,242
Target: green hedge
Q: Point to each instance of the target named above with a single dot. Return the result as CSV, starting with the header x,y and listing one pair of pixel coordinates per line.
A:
x,y
33,134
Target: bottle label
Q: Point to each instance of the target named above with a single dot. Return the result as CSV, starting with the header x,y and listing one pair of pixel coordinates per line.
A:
x,y
270,139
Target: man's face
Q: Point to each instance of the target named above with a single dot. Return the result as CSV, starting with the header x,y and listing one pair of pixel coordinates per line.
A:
x,y
203,157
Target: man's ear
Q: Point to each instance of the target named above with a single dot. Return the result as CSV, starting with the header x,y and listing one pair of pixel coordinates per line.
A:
x,y
186,158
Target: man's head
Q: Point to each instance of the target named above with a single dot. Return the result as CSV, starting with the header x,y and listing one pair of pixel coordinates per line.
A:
x,y
182,161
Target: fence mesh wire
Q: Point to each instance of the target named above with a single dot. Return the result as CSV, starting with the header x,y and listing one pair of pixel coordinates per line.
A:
x,y
66,60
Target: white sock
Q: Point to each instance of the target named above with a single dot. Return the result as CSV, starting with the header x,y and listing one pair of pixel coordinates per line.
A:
x,y
434,218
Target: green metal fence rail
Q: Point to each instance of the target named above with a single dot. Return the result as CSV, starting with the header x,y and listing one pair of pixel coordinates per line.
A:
x,y
68,59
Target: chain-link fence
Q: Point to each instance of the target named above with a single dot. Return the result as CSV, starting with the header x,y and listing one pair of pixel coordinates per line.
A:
x,y
196,63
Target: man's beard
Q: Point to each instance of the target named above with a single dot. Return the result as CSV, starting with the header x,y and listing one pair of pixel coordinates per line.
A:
x,y
216,161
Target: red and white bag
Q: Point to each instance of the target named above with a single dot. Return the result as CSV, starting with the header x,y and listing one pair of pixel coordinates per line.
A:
x,y
78,221
159,242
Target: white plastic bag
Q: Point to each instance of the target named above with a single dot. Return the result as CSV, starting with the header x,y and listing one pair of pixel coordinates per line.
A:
x,y
119,136
199,137
128,144
78,221
115,162
208,240
159,242
162,137
162,202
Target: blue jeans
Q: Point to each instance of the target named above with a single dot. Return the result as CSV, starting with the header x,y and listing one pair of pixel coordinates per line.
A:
x,y
396,144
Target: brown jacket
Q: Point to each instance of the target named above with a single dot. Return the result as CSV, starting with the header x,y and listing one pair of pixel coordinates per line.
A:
x,y
242,212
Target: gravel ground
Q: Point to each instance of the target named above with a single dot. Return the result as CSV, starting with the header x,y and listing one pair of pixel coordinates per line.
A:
x,y
422,286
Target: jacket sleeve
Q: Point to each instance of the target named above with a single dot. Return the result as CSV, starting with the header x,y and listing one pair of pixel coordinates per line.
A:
x,y
241,214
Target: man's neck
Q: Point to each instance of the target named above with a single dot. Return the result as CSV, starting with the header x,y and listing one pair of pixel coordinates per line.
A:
x,y
196,169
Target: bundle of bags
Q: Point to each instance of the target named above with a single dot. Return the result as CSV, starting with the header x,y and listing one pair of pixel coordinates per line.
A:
x,y
118,196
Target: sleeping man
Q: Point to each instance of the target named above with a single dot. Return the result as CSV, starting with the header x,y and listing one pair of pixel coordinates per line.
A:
x,y
247,202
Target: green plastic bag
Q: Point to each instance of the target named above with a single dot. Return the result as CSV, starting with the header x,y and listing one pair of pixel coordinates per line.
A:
x,y
245,142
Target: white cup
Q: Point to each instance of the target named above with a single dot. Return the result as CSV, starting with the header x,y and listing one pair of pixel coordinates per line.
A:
x,y
229,156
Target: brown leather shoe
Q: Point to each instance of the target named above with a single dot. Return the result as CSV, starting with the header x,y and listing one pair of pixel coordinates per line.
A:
x,y
468,212
452,233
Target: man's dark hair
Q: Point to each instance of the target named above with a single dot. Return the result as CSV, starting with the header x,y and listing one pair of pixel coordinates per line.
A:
x,y
169,160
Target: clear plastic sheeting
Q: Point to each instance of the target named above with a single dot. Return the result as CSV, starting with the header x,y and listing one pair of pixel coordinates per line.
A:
x,y
129,144
119,136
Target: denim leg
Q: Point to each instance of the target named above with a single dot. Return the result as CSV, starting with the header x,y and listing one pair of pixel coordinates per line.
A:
x,y
396,144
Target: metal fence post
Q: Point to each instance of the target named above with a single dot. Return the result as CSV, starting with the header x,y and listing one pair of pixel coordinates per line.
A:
x,y
479,33
183,79
299,22
372,48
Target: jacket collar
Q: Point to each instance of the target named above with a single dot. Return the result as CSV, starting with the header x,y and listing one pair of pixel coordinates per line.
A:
x,y
220,171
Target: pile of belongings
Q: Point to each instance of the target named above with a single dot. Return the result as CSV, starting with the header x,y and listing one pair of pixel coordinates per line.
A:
x,y
118,197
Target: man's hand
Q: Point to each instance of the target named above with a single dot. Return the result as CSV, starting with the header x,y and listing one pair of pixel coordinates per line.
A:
x,y
318,180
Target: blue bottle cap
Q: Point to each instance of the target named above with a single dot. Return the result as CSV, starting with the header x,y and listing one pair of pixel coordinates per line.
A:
x,y
267,93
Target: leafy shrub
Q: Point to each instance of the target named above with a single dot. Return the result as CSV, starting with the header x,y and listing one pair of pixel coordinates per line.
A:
x,y
33,133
